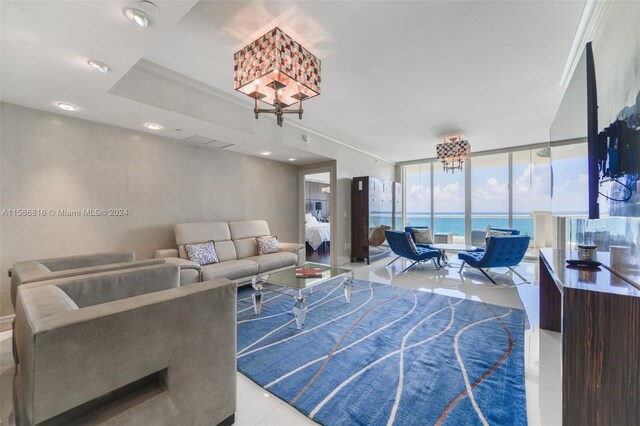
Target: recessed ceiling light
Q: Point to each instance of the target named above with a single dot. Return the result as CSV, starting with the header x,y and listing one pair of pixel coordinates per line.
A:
x,y
138,17
265,153
67,107
98,65
292,159
152,126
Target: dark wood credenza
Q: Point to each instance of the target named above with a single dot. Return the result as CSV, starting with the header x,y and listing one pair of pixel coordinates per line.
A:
x,y
598,315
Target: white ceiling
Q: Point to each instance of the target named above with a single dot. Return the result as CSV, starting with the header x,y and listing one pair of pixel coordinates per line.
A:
x,y
396,76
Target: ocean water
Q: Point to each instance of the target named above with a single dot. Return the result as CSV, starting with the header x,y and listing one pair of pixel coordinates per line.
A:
x,y
454,223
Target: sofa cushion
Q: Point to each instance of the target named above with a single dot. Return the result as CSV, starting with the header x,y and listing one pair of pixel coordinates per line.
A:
x,y
246,247
269,262
248,229
202,254
226,250
267,245
231,269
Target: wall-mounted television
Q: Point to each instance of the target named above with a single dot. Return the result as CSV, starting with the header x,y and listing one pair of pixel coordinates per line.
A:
x,y
592,134
606,163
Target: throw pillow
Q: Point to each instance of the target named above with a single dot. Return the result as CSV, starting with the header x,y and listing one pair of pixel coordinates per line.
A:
x,y
202,254
377,236
493,233
412,243
422,235
267,245
310,219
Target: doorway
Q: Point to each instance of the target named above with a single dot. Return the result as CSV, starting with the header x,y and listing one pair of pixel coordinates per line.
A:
x,y
317,217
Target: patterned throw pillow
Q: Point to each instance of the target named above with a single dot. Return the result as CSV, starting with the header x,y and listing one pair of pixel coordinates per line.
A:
x,y
412,243
267,245
493,233
202,254
423,235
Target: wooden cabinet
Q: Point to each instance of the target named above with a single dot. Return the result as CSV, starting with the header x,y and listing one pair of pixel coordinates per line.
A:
x,y
374,203
598,315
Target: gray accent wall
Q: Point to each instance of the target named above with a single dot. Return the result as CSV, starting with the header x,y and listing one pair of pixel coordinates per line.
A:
x,y
54,161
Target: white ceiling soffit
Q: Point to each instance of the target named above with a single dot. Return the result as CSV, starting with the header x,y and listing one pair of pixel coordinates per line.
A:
x,y
44,51
397,76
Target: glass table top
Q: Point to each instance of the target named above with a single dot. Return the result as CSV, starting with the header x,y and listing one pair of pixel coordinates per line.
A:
x,y
287,276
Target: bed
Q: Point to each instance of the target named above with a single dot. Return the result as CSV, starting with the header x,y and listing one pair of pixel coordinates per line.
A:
x,y
316,233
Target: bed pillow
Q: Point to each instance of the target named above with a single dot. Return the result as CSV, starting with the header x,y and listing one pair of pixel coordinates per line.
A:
x,y
310,219
267,244
202,253
376,236
422,236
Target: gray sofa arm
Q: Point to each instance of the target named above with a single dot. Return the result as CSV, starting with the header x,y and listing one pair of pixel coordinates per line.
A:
x,y
166,333
85,260
162,253
36,270
296,248
190,272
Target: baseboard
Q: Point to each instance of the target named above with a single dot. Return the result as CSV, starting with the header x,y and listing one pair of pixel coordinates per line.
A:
x,y
228,421
5,322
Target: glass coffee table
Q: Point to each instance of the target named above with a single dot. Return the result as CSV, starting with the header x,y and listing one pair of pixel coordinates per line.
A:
x,y
282,280
444,248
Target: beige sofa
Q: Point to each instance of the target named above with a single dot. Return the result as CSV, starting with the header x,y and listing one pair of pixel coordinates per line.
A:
x,y
236,246
126,347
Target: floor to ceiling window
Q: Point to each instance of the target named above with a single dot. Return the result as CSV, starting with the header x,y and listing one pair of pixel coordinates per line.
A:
x,y
504,190
417,191
531,187
570,180
490,191
449,203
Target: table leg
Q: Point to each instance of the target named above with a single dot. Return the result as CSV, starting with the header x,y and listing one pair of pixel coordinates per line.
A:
x,y
348,286
257,295
300,309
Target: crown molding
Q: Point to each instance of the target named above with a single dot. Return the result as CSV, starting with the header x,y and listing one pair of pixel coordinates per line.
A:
x,y
590,20
181,79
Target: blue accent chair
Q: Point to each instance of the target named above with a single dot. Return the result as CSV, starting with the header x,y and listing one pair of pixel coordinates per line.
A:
x,y
409,229
502,251
400,245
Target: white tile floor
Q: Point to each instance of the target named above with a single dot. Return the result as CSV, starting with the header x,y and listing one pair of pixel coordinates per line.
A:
x,y
542,348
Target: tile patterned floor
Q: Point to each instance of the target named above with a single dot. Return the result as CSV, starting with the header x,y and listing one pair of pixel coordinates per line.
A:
x,y
542,348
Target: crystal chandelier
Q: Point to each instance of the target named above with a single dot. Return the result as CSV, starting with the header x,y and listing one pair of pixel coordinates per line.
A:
x,y
277,70
453,152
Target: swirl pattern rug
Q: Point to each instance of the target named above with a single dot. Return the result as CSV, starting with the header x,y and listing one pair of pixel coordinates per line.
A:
x,y
392,356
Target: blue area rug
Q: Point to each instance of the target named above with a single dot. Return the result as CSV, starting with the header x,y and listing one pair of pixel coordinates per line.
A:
x,y
391,356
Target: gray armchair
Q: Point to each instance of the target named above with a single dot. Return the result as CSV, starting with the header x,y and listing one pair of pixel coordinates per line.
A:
x,y
126,347
60,267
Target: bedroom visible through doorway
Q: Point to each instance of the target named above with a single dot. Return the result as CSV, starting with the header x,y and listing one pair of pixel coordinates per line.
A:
x,y
317,218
